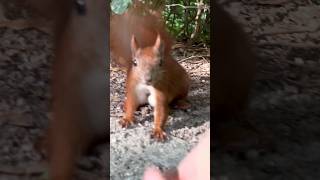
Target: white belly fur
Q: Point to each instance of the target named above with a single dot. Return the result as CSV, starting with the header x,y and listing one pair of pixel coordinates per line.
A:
x,y
146,94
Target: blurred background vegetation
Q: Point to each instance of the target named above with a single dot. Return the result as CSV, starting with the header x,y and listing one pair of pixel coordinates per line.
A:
x,y
187,20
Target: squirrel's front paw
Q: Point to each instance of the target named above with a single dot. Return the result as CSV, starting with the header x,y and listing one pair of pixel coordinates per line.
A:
x,y
159,135
125,123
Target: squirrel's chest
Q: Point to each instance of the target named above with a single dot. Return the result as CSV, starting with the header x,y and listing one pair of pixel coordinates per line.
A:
x,y
145,94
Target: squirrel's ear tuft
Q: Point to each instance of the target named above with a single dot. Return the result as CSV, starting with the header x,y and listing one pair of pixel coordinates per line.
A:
x,y
158,45
134,44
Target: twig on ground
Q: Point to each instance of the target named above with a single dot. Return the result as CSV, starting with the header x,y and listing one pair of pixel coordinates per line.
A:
x,y
192,57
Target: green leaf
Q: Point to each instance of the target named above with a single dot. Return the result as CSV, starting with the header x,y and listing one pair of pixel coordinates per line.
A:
x,y
120,6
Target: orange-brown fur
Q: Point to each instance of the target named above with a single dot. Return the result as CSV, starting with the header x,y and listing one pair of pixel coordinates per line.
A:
x,y
170,80
79,82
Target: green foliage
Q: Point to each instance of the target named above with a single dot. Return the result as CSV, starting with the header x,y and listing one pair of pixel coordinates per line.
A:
x,y
120,6
179,15
181,21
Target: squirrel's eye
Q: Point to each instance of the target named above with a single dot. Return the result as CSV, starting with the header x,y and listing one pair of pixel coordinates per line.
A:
x,y
135,62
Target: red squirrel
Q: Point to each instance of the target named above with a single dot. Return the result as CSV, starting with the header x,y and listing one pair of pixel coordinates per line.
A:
x,y
153,76
79,83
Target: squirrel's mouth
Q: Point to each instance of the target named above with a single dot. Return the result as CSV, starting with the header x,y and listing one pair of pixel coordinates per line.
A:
x,y
148,83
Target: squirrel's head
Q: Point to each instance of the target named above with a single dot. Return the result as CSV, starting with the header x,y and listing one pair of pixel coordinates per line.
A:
x,y
148,62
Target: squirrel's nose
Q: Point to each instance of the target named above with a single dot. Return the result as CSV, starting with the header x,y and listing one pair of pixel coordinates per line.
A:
x,y
148,79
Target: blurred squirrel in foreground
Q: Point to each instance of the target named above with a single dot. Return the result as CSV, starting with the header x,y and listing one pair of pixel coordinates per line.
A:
x,y
79,83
